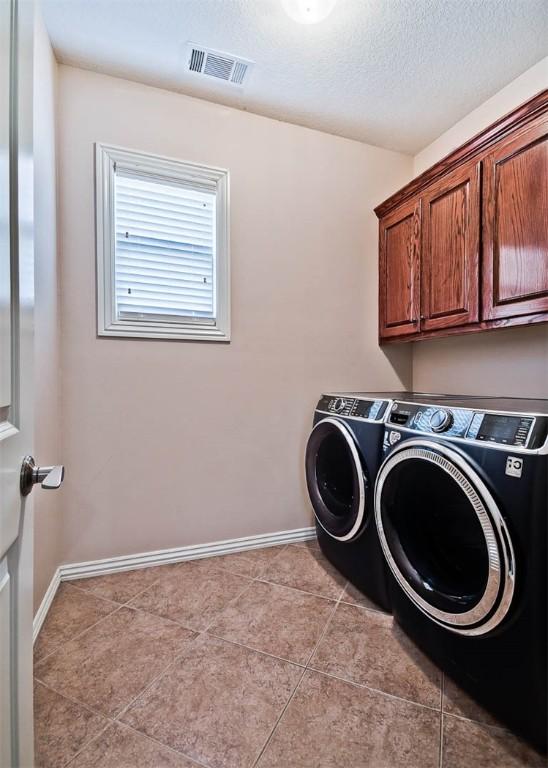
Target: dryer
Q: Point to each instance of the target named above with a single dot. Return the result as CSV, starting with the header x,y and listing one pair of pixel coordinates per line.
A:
x,y
342,457
461,513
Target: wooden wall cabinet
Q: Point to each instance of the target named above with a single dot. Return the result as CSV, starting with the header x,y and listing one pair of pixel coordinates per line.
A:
x,y
464,247
450,250
515,232
399,269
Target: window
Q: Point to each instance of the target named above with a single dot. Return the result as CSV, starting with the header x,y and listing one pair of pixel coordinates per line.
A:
x,y
162,247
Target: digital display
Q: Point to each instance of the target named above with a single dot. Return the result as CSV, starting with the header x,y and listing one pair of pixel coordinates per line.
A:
x,y
512,430
362,408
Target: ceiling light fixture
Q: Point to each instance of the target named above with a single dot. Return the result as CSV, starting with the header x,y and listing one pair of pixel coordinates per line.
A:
x,y
308,11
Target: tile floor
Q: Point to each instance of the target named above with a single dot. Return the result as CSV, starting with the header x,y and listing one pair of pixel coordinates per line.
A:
x,y
265,658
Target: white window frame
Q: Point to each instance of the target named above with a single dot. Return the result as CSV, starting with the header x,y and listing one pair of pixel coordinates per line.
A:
x,y
107,160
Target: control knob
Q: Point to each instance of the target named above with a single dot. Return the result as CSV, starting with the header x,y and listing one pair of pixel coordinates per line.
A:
x,y
339,404
441,420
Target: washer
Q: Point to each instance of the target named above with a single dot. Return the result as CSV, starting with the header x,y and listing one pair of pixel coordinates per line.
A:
x,y
461,511
342,457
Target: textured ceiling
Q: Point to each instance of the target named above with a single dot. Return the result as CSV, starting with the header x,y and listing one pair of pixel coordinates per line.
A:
x,y
395,73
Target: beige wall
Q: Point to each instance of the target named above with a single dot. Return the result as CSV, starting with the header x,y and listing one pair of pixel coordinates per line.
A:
x,y
174,443
46,354
502,362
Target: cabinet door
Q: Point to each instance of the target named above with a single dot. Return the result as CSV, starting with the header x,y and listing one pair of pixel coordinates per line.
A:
x,y
515,225
399,286
450,250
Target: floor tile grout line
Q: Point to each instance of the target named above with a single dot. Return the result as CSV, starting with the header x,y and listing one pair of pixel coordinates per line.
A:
x,y
127,604
296,589
78,635
198,634
365,608
326,627
90,593
260,580
224,608
98,597
75,701
374,690
117,602
363,685
109,720
242,553
478,722
278,720
441,719
161,744
108,615
88,743
290,699
114,718
157,677
204,633
255,650
119,606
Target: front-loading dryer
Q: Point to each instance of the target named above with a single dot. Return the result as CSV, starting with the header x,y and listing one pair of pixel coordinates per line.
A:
x,y
461,512
342,457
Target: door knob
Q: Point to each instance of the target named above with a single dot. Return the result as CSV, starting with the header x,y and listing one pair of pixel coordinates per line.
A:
x,y
48,477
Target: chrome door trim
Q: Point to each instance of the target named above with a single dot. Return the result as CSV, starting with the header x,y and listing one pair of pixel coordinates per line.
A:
x,y
345,432
476,621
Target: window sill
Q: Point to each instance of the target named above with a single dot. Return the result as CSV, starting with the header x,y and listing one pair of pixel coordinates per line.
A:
x,y
165,331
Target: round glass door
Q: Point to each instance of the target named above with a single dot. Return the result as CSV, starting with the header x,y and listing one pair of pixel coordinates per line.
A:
x,y
335,479
444,537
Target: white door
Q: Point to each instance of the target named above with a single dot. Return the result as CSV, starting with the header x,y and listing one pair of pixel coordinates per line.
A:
x,y
16,345
16,381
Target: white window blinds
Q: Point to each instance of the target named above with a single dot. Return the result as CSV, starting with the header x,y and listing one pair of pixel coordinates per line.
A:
x,y
164,243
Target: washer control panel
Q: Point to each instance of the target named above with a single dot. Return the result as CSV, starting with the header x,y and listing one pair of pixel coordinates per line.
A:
x,y
353,407
501,428
518,430
435,419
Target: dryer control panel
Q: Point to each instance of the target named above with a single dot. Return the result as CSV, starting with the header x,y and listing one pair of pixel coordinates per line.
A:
x,y
353,407
520,430
437,419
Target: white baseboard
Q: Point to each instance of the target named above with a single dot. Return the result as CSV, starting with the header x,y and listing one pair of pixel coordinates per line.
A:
x,y
72,571
47,600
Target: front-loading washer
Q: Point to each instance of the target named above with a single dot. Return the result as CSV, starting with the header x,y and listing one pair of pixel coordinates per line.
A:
x,y
461,513
342,457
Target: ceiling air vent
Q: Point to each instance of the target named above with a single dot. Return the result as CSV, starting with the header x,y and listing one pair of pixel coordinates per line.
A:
x,y
222,66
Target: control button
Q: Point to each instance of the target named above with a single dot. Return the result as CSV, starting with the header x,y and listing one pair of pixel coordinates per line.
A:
x,y
441,420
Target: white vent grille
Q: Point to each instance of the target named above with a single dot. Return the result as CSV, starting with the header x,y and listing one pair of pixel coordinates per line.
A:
x,y
222,66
